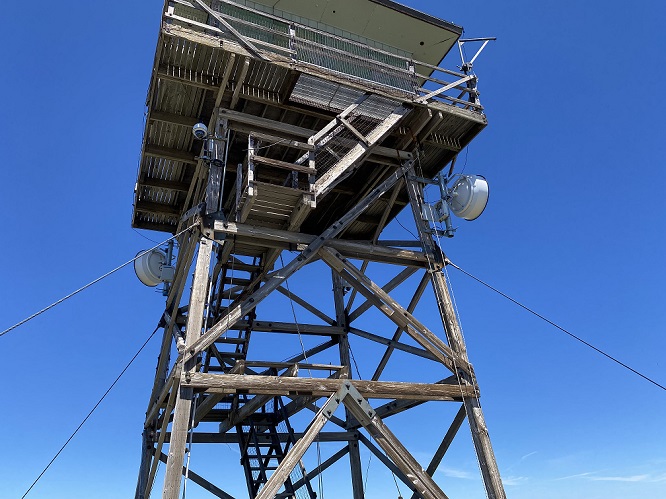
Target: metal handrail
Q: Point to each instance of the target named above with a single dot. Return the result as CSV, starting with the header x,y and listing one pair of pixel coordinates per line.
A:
x,y
383,72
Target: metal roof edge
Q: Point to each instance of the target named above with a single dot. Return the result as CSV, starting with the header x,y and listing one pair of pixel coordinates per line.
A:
x,y
417,14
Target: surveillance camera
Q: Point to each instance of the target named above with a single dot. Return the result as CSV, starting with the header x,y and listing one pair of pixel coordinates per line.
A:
x,y
200,131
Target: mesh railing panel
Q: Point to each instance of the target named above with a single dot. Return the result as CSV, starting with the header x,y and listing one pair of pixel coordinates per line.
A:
x,y
352,59
365,119
255,25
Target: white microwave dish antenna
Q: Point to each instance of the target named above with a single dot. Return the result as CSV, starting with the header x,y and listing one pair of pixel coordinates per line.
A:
x,y
468,196
150,267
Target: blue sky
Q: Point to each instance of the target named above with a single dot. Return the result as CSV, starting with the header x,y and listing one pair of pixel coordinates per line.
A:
x,y
574,155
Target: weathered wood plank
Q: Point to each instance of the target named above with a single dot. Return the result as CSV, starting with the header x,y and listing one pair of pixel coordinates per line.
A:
x,y
480,436
199,480
181,417
283,164
394,311
276,385
295,454
168,153
276,238
291,131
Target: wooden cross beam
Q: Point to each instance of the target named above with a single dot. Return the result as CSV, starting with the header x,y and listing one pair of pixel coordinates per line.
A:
x,y
394,311
323,387
278,277
359,407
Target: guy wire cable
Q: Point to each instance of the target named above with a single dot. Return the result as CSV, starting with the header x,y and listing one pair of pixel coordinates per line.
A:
x,y
91,411
82,288
577,338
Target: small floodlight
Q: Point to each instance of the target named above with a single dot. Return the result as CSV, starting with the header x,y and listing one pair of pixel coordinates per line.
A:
x,y
200,131
468,196
152,268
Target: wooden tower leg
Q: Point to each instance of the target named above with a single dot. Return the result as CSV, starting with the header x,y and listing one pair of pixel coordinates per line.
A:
x,y
342,320
480,437
144,469
184,396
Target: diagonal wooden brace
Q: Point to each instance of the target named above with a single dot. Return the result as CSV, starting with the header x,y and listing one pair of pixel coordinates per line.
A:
x,y
394,311
361,410
278,277
295,454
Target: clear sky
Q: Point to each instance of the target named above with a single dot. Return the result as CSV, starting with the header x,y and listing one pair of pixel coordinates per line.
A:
x,y
574,154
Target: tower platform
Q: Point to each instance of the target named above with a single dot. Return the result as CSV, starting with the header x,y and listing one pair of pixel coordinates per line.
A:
x,y
286,78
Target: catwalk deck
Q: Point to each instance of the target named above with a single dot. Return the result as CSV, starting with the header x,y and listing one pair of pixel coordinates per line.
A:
x,y
289,89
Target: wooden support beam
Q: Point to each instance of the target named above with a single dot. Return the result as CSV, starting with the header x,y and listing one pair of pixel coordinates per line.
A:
x,y
264,326
386,461
388,287
281,141
420,352
280,475
225,80
278,277
252,406
187,243
380,227
288,87
234,438
151,207
480,436
165,73
268,364
394,311
183,406
323,466
398,453
397,406
282,239
174,119
168,153
200,481
322,387
420,118
147,446
205,406
245,65
446,443
163,428
265,125
283,165
342,320
154,410
420,289
164,184
306,305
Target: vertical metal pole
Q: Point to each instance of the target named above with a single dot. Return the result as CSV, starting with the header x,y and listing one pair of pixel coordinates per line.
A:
x,y
480,437
183,407
342,320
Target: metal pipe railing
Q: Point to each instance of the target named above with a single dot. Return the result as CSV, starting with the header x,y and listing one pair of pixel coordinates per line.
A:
x,y
311,46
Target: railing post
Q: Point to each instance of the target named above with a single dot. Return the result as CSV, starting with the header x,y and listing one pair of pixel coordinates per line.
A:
x,y
415,84
292,42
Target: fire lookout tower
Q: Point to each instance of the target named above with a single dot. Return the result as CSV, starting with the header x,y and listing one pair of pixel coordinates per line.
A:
x,y
315,124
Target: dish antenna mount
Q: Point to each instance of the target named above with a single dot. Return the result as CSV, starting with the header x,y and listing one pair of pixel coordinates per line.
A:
x,y
466,198
154,267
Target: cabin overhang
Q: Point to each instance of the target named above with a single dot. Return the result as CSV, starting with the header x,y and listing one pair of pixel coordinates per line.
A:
x,y
262,73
